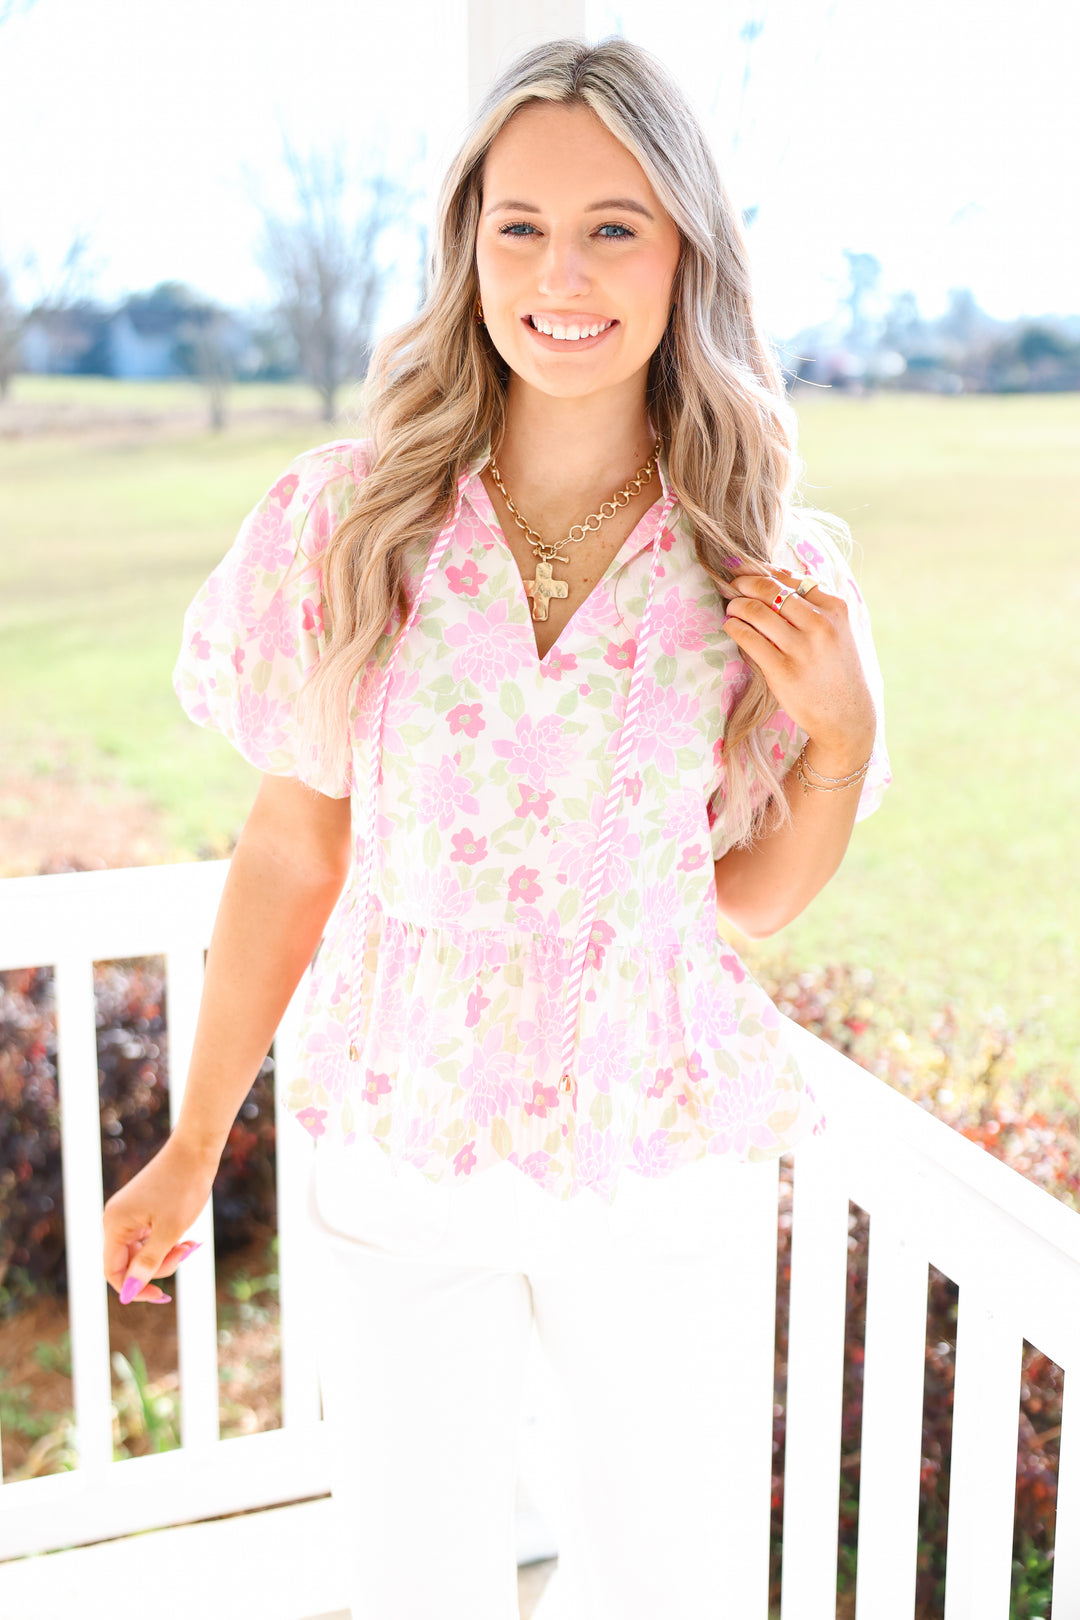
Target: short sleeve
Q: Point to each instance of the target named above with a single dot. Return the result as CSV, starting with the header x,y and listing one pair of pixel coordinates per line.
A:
x,y
255,629
811,550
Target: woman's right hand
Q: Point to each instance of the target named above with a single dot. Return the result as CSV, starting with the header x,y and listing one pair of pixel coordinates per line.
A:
x,y
145,1220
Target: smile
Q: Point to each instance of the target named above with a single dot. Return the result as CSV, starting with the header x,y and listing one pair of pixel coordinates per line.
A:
x,y
580,333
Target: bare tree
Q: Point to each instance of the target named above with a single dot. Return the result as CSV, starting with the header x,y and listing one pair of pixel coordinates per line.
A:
x,y
12,320
72,282
207,344
59,292
214,360
321,262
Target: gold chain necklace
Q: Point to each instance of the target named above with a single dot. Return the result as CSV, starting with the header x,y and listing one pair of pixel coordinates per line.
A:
x,y
546,552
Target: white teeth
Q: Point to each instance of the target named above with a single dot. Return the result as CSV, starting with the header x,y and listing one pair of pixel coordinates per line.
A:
x,y
568,334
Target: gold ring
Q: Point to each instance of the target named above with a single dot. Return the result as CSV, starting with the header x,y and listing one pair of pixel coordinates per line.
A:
x,y
807,585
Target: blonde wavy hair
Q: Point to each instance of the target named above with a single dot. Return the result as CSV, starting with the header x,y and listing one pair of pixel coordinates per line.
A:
x,y
435,399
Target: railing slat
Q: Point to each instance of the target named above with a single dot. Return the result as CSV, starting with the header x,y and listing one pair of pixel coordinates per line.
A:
x,y
745,1583
195,1280
891,1444
80,1139
1066,1594
300,1404
815,1379
982,1474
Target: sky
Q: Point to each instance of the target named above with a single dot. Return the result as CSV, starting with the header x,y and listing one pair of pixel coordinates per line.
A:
x,y
942,136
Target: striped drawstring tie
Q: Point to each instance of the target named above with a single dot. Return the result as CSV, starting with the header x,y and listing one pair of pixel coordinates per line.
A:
x,y
590,900
364,896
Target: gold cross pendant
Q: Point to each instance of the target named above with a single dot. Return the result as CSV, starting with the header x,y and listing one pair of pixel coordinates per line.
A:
x,y
542,588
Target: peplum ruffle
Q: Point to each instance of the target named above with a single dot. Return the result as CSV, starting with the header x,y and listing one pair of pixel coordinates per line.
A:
x,y
681,1053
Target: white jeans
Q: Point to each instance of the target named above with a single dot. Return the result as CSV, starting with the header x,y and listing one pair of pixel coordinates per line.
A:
x,y
660,1408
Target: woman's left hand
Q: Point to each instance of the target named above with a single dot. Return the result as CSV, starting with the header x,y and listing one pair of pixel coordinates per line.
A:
x,y
807,653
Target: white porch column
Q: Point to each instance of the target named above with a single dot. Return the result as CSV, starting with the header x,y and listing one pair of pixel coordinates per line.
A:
x,y
458,47
500,29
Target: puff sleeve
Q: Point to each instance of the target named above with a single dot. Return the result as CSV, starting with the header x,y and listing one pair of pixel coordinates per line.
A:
x,y
255,629
816,552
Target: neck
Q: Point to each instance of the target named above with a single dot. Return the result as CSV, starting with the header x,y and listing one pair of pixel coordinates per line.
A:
x,y
572,451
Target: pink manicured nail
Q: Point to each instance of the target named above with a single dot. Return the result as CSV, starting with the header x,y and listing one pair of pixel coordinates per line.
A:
x,y
130,1289
192,1249
164,1300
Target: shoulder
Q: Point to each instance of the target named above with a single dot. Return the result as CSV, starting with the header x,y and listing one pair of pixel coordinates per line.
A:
x,y
814,539
342,462
317,489
820,544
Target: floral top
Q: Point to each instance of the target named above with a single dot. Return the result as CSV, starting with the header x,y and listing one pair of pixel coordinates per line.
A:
x,y
525,962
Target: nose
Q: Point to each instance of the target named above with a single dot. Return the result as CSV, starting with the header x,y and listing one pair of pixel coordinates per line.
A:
x,y
562,271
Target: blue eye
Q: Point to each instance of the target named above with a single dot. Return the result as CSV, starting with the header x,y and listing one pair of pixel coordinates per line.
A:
x,y
520,227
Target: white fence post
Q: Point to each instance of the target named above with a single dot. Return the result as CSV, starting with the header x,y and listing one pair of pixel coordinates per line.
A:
x,y
815,1379
300,1405
982,1477
194,1281
1067,1538
891,1445
80,1146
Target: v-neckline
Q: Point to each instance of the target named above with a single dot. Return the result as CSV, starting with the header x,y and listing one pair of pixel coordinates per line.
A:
x,y
476,493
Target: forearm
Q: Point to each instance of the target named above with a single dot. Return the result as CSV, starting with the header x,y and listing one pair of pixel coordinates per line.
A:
x,y
272,914
762,888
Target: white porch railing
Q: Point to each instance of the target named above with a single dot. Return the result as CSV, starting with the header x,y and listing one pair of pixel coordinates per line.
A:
x,y
931,1195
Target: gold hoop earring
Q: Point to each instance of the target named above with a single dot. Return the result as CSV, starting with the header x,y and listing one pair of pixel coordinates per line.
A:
x,y
479,314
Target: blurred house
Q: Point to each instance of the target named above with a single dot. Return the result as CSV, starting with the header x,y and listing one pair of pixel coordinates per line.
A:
x,y
163,333
61,340
144,342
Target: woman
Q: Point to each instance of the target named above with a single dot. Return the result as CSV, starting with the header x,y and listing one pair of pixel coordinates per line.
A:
x,y
546,755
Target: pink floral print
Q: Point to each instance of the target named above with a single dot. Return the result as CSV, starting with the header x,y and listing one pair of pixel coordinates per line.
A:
x,y
492,779
441,791
539,749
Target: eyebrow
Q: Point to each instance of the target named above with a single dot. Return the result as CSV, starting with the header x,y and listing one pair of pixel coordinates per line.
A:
x,y
627,204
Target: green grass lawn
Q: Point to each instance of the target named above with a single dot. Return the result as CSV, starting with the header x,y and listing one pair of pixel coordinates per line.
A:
x,y
963,886
110,545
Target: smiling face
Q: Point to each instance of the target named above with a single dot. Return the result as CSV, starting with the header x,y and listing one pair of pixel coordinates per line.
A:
x,y
575,253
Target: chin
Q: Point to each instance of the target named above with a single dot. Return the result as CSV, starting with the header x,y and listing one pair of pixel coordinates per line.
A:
x,y
572,383
571,388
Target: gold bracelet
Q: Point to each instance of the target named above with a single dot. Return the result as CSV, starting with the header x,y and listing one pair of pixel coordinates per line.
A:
x,y
859,771
802,764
